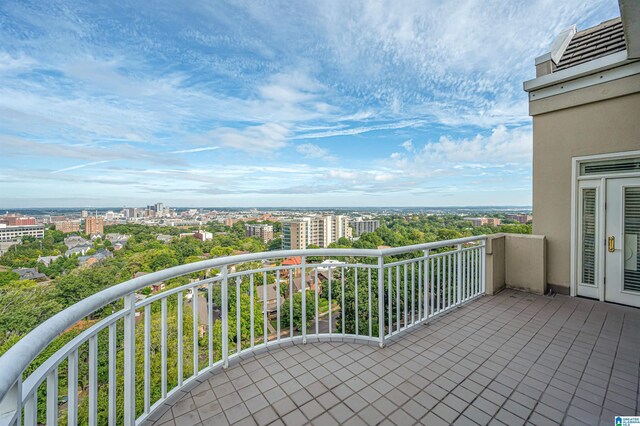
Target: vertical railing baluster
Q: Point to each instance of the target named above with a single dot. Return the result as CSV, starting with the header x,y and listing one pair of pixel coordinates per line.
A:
x,y
147,358
291,271
251,306
483,265
447,276
473,271
112,375
355,272
52,396
406,291
427,289
225,316
278,305
459,272
370,314
342,305
180,341
210,323
163,347
303,287
413,292
463,262
72,388
93,380
381,332
440,298
317,303
238,317
390,300
330,302
195,331
265,306
31,409
130,360
398,297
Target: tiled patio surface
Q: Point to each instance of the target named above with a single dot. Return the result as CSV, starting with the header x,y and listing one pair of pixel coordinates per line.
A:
x,y
510,359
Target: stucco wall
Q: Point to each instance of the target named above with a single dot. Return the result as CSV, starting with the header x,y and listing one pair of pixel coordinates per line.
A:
x,y
516,261
495,264
611,125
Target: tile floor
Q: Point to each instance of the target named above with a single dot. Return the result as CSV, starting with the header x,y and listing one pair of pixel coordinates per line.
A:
x,y
509,359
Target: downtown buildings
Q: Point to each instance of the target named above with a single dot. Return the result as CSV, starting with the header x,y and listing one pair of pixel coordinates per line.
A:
x,y
317,230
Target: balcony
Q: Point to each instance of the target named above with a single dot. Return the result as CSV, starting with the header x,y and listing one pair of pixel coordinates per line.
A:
x,y
343,336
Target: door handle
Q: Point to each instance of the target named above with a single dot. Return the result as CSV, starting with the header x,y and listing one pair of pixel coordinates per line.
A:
x,y
612,244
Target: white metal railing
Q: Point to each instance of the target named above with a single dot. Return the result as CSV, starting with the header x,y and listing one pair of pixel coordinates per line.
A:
x,y
123,366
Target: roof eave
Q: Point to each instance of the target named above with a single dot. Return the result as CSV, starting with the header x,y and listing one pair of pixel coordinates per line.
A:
x,y
600,64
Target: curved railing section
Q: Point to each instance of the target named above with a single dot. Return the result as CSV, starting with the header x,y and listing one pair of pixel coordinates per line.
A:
x,y
137,343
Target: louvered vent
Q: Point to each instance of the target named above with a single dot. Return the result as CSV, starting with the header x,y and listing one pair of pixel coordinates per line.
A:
x,y
624,165
588,235
631,238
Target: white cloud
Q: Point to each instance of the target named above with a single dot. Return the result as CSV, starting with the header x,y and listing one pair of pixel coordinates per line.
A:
x,y
189,151
358,130
80,166
310,150
502,146
265,138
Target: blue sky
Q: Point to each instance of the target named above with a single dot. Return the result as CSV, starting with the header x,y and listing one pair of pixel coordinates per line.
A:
x,y
293,103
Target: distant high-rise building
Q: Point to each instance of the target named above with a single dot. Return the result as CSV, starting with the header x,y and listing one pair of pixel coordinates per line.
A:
x,y
318,230
94,225
294,235
264,232
85,214
159,209
361,226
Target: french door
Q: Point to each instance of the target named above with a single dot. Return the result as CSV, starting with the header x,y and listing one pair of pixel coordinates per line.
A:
x,y
608,240
622,265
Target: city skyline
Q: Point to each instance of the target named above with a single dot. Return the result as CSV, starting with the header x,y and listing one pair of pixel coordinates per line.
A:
x,y
286,105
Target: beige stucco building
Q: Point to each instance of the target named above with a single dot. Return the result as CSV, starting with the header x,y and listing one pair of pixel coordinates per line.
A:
x,y
585,104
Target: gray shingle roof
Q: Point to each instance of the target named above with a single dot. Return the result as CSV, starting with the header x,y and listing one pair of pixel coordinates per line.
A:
x,y
593,43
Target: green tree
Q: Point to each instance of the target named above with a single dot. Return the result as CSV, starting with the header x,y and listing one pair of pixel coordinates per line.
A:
x,y
297,310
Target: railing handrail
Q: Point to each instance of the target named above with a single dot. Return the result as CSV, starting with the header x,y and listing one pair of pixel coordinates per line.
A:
x,y
19,357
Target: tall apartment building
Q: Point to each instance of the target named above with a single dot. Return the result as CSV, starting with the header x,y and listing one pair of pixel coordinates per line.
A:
x,y
361,226
94,225
522,218
317,230
339,228
294,235
264,232
67,226
10,233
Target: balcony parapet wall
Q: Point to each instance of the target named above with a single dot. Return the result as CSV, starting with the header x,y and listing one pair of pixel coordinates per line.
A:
x,y
516,261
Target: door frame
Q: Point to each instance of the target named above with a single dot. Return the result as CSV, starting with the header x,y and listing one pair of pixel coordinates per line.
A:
x,y
575,211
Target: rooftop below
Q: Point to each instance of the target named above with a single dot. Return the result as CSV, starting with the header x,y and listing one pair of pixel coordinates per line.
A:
x,y
513,359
